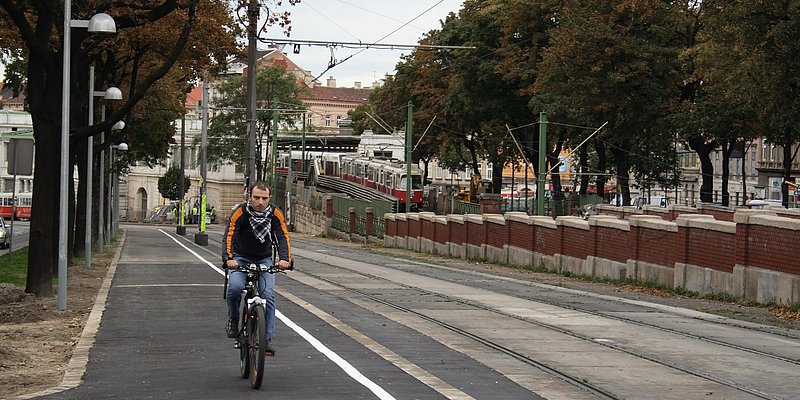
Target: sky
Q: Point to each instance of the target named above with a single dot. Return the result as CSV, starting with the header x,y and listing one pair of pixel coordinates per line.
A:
x,y
365,21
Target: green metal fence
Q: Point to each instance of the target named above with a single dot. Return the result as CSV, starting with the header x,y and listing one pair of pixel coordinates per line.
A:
x,y
341,214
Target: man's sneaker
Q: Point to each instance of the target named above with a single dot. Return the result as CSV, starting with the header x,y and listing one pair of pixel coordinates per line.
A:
x,y
268,349
232,329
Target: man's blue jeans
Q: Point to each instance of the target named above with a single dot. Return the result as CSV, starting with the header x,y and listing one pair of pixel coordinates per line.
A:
x,y
266,284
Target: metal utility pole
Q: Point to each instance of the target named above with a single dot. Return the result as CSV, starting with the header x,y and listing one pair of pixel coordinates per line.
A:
x,y
201,237
252,15
181,230
542,172
409,136
273,154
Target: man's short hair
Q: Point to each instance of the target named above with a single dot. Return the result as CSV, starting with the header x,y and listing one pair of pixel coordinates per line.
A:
x,y
259,184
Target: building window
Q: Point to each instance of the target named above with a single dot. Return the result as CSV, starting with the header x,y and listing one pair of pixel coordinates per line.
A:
x,y
327,120
338,120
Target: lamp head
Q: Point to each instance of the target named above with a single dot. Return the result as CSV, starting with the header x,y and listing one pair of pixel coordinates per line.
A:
x,y
102,23
113,93
122,146
120,125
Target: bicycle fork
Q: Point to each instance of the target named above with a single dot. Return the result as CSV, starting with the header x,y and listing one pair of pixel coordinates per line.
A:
x,y
251,302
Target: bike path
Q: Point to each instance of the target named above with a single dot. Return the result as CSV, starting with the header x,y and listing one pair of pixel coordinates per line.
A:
x,y
162,336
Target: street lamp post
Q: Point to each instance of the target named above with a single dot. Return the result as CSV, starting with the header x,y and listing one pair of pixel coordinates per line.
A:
x,y
98,23
101,224
111,93
113,190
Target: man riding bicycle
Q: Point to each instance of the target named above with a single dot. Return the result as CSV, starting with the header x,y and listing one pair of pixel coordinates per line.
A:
x,y
247,239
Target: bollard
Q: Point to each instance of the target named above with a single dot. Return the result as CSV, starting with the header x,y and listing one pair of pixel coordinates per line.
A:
x,y
329,207
352,214
368,225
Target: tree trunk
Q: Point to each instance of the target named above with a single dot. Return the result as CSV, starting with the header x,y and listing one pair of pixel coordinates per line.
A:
x,y
726,152
583,161
703,150
623,172
601,168
45,114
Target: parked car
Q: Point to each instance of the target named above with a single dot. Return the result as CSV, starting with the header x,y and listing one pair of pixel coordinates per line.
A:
x,y
640,202
5,241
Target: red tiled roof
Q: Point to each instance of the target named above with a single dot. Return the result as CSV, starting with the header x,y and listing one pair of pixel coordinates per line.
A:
x,y
194,97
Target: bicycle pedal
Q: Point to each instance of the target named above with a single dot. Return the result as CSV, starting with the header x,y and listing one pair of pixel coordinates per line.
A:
x,y
237,345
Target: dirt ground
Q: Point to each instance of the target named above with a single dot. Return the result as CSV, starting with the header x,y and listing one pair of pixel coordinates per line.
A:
x,y
37,340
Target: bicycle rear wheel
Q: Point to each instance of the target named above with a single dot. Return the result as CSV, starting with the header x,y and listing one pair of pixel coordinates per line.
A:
x,y
257,344
244,343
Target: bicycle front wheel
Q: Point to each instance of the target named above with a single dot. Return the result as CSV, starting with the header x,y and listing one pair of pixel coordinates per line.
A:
x,y
244,343
257,344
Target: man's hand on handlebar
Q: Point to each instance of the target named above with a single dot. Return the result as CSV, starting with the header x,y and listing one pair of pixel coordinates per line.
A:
x,y
283,265
232,264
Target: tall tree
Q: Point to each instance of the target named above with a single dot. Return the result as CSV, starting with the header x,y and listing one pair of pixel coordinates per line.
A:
x,y
276,88
752,56
625,74
152,36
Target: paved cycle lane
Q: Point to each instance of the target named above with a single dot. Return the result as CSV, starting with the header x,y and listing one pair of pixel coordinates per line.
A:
x,y
162,336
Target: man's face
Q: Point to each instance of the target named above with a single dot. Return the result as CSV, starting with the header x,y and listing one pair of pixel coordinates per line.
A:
x,y
260,199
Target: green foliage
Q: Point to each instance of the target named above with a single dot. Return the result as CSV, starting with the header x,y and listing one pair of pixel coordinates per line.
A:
x,y
227,132
169,184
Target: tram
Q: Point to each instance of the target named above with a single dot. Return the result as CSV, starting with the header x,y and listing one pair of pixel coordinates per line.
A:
x,y
385,175
23,210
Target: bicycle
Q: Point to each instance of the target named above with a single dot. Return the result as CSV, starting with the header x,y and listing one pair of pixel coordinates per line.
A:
x,y
252,338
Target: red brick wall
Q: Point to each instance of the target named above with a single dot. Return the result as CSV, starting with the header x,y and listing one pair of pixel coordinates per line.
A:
x,y
414,228
774,248
654,246
612,244
390,228
546,241
427,229
402,228
520,234
476,233
441,233
707,248
496,234
576,242
458,232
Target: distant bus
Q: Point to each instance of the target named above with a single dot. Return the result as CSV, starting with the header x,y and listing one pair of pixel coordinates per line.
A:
x,y
23,210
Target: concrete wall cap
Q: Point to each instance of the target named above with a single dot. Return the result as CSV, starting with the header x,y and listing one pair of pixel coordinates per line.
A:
x,y
402,216
606,222
655,224
459,219
474,218
708,224
389,216
573,222
495,219
412,216
681,208
743,216
427,216
545,222
519,217
774,221
683,218
440,219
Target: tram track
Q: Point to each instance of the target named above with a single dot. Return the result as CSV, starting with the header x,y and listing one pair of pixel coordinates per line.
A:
x,y
578,382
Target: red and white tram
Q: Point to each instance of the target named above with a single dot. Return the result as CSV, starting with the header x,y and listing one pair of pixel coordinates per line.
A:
x,y
23,210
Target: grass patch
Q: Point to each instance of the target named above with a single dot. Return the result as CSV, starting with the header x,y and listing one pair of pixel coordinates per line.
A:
x,y
14,270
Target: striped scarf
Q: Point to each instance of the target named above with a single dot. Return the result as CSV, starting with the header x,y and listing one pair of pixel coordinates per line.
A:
x,y
260,221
